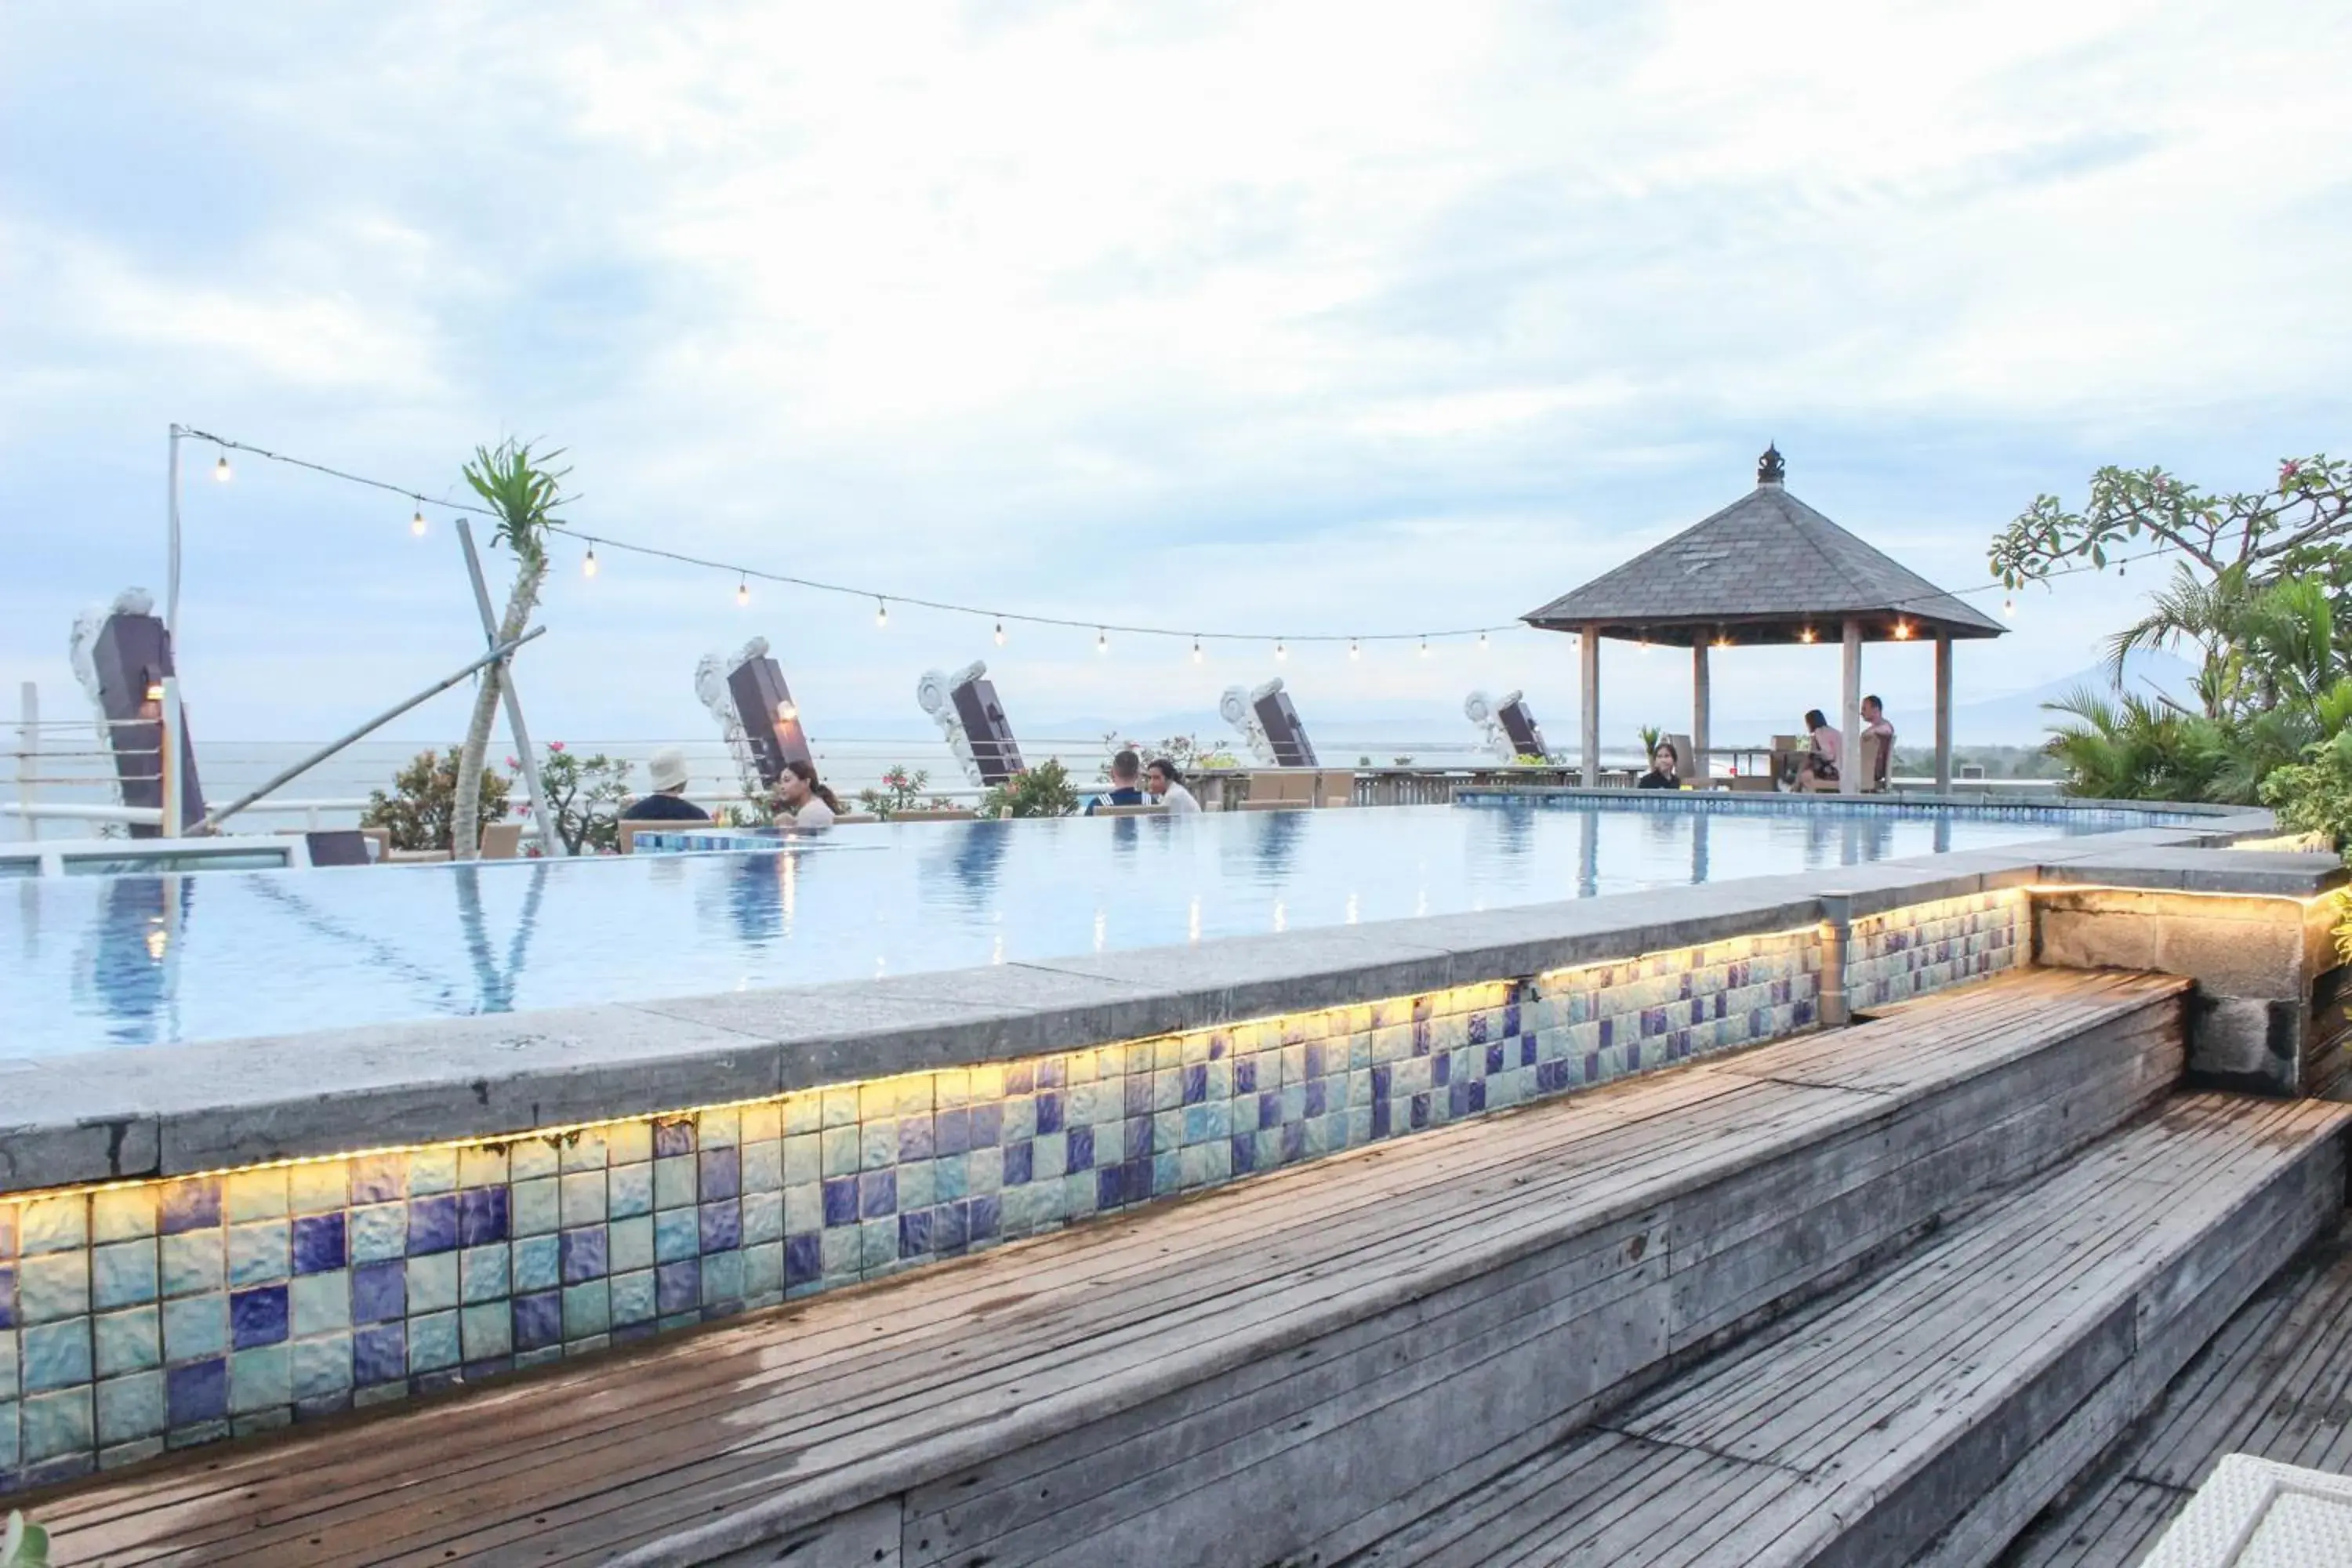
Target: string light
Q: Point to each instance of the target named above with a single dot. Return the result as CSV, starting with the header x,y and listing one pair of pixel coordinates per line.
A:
x,y
223,473
1482,642
2008,608
417,524
1102,640
744,592
1280,650
1901,631
1353,651
1000,634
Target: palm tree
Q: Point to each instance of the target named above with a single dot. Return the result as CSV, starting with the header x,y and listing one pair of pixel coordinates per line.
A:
x,y
523,493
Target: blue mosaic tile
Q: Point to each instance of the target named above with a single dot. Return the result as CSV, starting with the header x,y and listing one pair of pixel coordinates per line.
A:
x,y
257,1317
258,1253
433,1224
431,1282
377,1232
537,1264
379,1179
7,1295
194,1203
673,1137
433,1342
632,1297
583,1255
54,1356
197,1392
379,1292
721,1226
630,1190
319,1304
318,1243
721,1175
52,1285
677,1286
57,1426
320,1368
537,1321
481,1216
484,1274
379,1355
878,1193
260,1380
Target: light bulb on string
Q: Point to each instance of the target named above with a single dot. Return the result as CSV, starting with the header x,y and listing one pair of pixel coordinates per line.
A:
x,y
1102,640
881,613
1280,652
744,592
1000,634
1482,642
1424,644
417,524
1196,650
1353,651
2008,608
221,471
588,565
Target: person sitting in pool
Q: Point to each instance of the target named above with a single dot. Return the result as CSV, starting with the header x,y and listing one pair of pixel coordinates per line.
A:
x,y
1126,782
1665,772
666,768
1820,764
1167,789
798,792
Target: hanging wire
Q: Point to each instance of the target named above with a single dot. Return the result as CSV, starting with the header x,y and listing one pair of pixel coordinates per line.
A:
x,y
744,573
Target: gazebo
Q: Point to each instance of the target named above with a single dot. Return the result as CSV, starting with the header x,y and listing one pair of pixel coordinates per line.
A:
x,y
1766,569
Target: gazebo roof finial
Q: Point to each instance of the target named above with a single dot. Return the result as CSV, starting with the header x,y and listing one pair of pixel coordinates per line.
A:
x,y
1771,468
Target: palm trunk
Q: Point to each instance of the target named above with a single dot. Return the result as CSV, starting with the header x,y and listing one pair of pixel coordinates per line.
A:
x,y
465,812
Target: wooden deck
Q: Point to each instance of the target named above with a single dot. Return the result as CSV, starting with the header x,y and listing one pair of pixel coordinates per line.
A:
x,y
2275,1383
1932,1411
1297,1359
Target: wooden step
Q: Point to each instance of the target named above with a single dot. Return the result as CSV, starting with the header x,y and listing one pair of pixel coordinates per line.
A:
x,y
1291,1360
2276,1383
1928,1415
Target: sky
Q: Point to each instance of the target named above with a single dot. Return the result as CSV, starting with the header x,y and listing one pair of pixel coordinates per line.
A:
x,y
1279,319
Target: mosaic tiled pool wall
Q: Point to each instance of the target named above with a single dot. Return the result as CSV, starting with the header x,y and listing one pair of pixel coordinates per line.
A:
x,y
143,1315
1910,952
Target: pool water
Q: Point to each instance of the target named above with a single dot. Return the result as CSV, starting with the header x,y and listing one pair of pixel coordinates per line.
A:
x,y
91,962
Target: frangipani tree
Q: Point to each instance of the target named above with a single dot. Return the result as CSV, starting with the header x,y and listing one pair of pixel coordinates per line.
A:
x,y
522,491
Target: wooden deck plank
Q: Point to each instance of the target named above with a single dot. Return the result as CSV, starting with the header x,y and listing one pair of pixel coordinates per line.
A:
x,y
838,1375
2276,1382
1859,1394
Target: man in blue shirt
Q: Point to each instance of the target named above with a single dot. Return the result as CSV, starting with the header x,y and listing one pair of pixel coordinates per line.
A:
x,y
1126,782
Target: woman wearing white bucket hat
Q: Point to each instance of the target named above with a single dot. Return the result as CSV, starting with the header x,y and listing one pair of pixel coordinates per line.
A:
x,y
666,768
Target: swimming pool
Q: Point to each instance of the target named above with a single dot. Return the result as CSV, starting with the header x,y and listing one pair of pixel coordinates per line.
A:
x,y
93,963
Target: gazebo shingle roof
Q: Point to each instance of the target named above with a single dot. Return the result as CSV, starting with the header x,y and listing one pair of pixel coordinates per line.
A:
x,y
1767,568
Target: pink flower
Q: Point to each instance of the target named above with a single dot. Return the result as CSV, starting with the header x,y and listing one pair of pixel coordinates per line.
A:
x,y
512,763
555,745
2288,469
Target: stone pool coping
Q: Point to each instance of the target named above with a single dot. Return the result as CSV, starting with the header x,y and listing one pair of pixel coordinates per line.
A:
x,y
172,1110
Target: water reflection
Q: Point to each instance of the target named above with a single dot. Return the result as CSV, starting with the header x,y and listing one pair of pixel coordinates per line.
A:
x,y
762,892
134,959
974,860
1699,823
494,984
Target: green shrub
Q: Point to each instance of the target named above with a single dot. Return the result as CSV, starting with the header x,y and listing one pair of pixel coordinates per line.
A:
x,y
585,796
2316,795
1042,791
424,796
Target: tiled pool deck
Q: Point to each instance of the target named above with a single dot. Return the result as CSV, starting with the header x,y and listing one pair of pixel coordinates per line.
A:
x,y
187,1251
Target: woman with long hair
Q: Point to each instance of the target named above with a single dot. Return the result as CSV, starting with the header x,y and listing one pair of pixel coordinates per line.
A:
x,y
810,803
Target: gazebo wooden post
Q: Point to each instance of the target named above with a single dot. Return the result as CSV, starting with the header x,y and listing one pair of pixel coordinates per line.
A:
x,y
1589,658
1943,713
1850,746
1700,705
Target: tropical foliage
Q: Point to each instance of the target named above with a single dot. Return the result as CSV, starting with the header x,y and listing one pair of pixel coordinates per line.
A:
x,y
2260,593
521,491
585,794
902,790
423,801
1042,791
2316,795
23,1543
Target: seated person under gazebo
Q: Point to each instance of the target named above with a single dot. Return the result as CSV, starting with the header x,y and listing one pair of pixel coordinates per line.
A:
x,y
1819,767
1663,771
